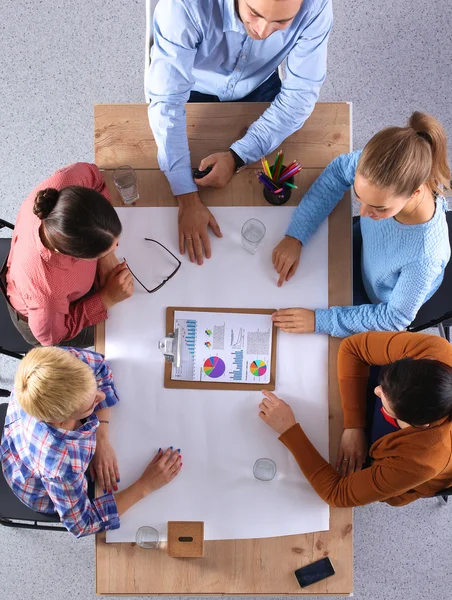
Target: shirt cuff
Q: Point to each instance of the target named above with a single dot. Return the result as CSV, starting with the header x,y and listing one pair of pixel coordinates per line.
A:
x,y
95,309
246,154
294,231
181,182
323,320
107,511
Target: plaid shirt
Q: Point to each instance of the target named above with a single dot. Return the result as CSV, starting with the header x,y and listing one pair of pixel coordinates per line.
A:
x,y
45,466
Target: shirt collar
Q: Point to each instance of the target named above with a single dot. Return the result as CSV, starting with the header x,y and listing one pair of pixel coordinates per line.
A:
x,y
231,21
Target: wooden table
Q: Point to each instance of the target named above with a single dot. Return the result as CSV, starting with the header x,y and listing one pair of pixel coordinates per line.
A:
x,y
260,566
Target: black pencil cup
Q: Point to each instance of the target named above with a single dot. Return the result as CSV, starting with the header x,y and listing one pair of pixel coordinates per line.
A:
x,y
282,197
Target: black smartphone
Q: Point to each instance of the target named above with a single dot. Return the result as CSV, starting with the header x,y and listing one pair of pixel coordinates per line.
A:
x,y
314,572
197,174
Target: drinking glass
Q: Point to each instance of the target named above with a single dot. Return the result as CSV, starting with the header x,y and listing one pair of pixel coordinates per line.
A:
x,y
264,469
147,537
253,232
125,180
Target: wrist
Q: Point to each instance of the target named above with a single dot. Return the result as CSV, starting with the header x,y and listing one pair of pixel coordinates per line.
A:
x,y
189,199
239,163
108,302
291,238
145,488
102,430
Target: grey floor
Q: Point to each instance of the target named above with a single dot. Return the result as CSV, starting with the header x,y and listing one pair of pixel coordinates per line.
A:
x,y
57,59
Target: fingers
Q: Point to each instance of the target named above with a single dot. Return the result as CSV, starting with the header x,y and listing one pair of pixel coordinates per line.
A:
x,y
197,246
215,227
272,398
351,465
92,471
117,474
340,456
157,457
284,273
208,180
292,270
181,242
190,249
101,478
209,161
205,241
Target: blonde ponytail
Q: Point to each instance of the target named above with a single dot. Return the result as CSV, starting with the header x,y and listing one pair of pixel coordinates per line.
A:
x,y
404,158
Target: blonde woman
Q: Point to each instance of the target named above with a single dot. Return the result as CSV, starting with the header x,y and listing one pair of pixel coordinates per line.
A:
x,y
398,179
56,428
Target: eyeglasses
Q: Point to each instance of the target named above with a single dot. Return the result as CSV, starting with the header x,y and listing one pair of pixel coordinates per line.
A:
x,y
165,280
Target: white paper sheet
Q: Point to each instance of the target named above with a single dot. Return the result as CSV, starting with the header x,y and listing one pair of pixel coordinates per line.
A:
x,y
219,432
224,347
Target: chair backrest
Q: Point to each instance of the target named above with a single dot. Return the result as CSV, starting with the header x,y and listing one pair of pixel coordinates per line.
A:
x,y
150,8
439,307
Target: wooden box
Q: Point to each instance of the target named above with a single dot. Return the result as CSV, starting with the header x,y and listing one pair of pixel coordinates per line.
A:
x,y
186,539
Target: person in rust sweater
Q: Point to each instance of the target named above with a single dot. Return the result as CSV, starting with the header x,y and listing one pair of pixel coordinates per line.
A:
x,y
411,428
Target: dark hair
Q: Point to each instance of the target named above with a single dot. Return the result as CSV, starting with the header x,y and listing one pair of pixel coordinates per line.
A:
x,y
419,391
77,221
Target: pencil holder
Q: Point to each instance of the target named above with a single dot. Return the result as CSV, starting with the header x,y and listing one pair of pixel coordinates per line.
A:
x,y
282,197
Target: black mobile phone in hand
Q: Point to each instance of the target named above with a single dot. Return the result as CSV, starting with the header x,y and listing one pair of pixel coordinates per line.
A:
x,y
197,174
314,572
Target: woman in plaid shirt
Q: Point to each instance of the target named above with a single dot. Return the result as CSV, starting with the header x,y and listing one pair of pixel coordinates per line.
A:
x,y
56,428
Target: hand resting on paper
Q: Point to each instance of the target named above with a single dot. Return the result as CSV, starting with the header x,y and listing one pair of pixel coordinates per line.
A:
x,y
194,219
276,413
286,258
295,320
163,468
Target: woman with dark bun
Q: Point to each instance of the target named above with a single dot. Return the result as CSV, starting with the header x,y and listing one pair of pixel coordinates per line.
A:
x,y
62,274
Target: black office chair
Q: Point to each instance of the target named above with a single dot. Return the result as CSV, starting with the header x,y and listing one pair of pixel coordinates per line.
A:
x,y
11,342
13,512
443,495
437,312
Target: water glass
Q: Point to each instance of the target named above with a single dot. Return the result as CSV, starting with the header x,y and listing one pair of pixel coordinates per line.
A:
x,y
253,232
147,537
264,469
125,180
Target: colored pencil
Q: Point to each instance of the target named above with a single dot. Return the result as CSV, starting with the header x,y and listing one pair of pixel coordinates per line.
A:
x,y
289,175
290,167
280,164
291,185
266,167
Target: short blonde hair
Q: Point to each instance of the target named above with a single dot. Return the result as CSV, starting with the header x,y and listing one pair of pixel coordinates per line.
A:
x,y
52,384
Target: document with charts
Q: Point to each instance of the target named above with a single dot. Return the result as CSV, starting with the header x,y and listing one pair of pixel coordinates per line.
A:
x,y
224,347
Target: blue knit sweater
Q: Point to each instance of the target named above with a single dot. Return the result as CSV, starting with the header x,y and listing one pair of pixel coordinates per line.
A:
x,y
402,266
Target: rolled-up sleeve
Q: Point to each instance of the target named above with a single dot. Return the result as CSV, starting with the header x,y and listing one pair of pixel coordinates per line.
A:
x,y
78,513
306,71
168,84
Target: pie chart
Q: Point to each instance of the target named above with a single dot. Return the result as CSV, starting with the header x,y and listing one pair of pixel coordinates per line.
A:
x,y
214,367
258,368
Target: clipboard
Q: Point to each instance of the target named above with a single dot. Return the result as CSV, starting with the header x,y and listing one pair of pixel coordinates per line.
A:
x,y
210,385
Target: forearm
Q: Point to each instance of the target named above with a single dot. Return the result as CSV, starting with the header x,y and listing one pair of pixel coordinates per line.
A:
x,y
130,496
343,321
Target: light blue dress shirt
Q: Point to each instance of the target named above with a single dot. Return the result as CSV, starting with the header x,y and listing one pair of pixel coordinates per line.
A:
x,y
202,45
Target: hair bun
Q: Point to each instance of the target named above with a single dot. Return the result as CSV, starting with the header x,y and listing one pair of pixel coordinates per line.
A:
x,y
45,202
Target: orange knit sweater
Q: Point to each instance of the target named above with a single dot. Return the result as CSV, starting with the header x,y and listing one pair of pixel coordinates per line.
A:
x,y
407,464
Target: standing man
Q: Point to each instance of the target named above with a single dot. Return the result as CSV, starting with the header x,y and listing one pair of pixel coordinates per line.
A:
x,y
226,50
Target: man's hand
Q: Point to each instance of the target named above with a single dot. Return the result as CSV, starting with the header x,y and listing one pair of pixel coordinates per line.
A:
x,y
223,168
105,266
276,413
194,219
104,466
286,257
352,451
295,320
